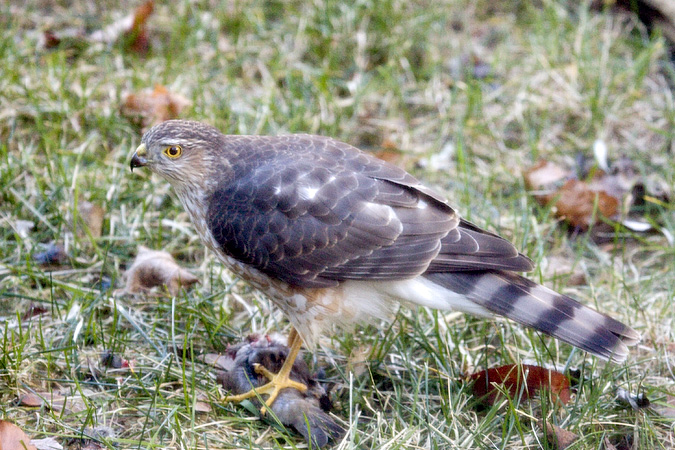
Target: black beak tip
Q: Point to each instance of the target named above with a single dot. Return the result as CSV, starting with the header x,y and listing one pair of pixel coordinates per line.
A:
x,y
137,161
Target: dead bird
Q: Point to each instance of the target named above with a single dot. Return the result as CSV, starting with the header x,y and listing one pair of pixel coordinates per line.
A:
x,y
306,411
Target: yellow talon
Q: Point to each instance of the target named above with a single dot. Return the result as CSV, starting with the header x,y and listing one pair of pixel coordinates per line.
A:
x,y
278,381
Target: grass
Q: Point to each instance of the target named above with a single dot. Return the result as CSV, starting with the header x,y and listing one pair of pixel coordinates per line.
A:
x,y
464,94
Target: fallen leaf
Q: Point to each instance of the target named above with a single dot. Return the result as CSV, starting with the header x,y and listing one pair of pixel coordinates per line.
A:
x,y
55,401
558,438
154,106
576,201
516,379
390,155
618,192
219,361
153,268
30,400
92,216
202,407
71,40
13,437
34,310
46,444
138,35
544,174
579,203
131,27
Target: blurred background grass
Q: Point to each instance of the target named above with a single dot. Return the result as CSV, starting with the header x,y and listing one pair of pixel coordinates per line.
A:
x,y
465,94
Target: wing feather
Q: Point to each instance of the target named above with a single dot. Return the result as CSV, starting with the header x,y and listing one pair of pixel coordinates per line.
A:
x,y
316,212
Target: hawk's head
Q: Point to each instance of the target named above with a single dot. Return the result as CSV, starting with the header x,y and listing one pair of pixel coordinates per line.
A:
x,y
180,151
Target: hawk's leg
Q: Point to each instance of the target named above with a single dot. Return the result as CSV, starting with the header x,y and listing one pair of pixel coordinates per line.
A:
x,y
279,380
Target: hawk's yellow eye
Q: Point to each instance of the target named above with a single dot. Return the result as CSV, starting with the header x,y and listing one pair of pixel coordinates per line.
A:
x,y
173,152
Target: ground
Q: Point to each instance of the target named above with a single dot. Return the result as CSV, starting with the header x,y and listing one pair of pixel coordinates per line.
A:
x,y
464,94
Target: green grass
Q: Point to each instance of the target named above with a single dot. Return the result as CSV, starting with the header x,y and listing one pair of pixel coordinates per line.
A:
x,y
398,72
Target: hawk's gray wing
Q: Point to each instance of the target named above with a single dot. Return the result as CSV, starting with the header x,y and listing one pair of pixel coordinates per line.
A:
x,y
312,212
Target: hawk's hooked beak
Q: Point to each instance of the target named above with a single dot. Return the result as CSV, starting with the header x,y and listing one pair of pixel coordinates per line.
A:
x,y
139,158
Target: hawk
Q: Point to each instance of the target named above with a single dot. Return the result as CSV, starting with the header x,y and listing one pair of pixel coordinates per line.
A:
x,y
334,235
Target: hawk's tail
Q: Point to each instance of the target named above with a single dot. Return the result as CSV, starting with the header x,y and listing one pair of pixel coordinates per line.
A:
x,y
510,295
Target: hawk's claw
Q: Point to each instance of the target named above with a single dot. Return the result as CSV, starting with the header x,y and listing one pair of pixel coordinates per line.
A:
x,y
277,381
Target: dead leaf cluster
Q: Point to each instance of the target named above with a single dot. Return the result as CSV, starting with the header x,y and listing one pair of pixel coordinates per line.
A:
x,y
618,194
13,437
132,29
519,381
151,107
524,381
55,400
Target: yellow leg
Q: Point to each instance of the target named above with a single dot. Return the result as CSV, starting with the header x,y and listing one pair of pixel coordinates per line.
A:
x,y
278,381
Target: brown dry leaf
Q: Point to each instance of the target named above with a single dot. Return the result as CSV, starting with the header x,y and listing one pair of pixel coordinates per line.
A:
x,y
131,27
13,437
576,201
219,361
544,174
54,401
515,379
33,310
92,216
202,407
72,40
611,195
579,203
153,107
138,34
30,400
157,268
390,155
559,438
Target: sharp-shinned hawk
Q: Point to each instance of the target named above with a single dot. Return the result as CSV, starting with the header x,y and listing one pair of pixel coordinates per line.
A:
x,y
334,235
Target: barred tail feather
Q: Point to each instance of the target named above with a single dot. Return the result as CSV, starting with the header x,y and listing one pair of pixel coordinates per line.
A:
x,y
519,299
